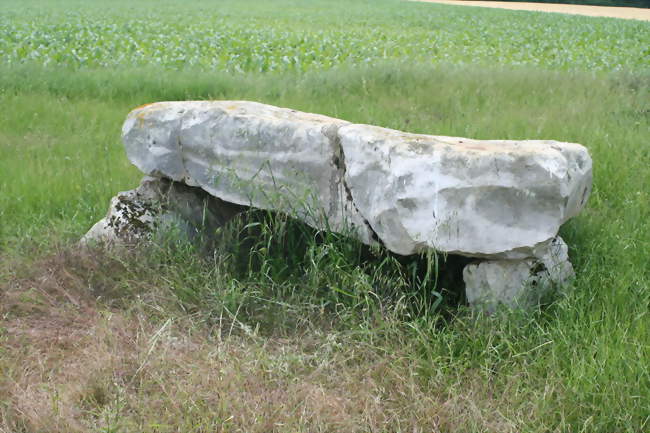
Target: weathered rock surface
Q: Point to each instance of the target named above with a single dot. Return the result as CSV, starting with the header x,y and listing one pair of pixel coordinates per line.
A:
x,y
492,198
518,283
249,154
503,201
159,204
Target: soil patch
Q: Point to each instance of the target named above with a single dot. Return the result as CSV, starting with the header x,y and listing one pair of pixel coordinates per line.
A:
x,y
592,11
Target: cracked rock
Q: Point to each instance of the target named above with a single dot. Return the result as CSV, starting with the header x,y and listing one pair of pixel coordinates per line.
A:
x,y
498,200
477,198
250,154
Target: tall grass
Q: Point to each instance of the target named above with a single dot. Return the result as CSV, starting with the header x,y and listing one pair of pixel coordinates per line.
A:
x,y
581,363
281,327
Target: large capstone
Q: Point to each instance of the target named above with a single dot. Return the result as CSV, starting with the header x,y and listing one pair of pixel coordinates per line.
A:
x,y
250,154
502,201
490,198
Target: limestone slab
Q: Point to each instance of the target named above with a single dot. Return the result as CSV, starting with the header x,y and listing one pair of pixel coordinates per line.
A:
x,y
478,198
249,154
494,199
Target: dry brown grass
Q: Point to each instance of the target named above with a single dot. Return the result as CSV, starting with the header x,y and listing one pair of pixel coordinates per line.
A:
x,y
81,353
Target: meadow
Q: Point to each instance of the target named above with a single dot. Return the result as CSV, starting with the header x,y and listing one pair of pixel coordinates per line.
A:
x,y
281,328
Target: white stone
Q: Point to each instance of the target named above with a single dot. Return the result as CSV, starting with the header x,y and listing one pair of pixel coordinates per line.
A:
x,y
493,199
130,217
518,283
157,205
249,154
502,201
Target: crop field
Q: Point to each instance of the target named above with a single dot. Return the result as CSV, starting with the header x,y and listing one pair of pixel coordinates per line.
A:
x,y
250,36
282,329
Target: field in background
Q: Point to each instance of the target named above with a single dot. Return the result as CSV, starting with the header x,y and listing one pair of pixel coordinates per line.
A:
x,y
284,329
631,11
286,35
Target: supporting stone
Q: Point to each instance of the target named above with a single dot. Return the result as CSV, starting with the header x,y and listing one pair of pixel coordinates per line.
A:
x,y
518,283
158,205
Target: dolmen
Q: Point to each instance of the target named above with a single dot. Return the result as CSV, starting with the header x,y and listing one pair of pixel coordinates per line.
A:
x,y
500,202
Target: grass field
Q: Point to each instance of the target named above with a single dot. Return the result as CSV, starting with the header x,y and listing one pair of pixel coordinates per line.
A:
x,y
283,329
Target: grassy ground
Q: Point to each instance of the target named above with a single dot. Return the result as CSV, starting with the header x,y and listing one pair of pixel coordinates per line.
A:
x,y
286,330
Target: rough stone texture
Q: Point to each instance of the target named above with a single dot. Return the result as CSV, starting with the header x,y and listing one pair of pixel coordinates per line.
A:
x,y
156,205
249,154
492,199
502,201
518,283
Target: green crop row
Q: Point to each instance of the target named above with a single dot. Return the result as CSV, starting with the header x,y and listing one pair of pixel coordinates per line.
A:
x,y
229,36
